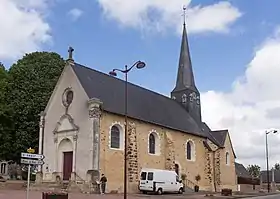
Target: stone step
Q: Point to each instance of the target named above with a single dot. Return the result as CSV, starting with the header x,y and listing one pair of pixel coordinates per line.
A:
x,y
13,185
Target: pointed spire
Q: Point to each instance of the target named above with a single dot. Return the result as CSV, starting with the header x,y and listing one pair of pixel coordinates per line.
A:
x,y
185,77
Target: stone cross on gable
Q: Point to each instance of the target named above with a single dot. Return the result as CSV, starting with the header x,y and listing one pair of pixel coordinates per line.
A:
x,y
70,52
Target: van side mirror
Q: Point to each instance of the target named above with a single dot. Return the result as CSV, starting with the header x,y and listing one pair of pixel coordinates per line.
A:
x,y
180,181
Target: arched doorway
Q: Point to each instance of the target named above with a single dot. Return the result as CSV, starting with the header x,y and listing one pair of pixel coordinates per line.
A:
x,y
65,149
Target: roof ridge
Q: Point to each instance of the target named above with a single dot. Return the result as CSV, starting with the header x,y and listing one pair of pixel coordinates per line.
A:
x,y
221,130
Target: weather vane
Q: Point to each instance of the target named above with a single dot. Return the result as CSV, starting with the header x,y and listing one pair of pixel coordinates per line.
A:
x,y
184,14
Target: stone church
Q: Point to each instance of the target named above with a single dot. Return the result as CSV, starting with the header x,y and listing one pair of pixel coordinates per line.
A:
x,y
82,131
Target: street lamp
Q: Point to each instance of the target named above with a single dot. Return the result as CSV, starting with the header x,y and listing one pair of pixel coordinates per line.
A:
x,y
139,65
267,166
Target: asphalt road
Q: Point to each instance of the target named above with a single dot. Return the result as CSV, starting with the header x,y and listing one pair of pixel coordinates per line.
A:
x,y
13,194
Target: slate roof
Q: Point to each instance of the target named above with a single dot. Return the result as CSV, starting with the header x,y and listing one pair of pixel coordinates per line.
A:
x,y
241,171
276,176
220,136
210,136
143,104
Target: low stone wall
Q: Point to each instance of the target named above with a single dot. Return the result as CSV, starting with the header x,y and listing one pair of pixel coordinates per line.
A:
x,y
249,188
13,185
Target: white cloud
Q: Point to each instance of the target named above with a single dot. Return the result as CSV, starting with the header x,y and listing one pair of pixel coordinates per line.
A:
x,y
161,15
252,106
75,13
23,27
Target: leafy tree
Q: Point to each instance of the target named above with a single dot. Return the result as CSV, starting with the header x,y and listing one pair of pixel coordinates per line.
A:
x,y
277,166
254,170
5,116
31,82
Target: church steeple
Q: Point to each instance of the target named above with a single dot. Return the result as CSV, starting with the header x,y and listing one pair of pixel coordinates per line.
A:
x,y
185,77
185,91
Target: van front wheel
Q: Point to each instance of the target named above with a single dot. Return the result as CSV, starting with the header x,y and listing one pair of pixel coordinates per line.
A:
x,y
159,191
181,191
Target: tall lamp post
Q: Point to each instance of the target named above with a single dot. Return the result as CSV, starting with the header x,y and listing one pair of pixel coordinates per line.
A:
x,y
139,65
267,165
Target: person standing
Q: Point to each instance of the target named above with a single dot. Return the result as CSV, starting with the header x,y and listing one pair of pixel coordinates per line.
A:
x,y
103,182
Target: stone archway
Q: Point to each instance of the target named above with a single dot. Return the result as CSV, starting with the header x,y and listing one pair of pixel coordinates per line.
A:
x,y
65,158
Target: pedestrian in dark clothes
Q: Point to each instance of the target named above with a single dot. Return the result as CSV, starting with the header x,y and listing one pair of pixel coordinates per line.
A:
x,y
103,182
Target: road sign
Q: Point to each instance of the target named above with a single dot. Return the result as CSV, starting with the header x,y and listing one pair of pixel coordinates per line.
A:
x,y
32,156
30,161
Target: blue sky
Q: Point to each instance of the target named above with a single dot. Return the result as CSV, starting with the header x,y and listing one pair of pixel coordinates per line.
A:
x,y
235,47
102,43
217,58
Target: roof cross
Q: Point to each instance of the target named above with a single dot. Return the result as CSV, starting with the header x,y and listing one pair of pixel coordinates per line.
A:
x,y
70,52
184,14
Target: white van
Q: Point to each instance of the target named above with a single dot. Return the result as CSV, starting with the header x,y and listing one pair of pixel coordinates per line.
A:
x,y
160,181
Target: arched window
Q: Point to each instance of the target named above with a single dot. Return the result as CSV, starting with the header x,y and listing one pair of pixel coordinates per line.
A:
x,y
184,98
115,137
227,158
152,143
190,150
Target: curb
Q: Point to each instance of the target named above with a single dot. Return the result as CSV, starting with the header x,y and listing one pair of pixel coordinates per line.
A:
x,y
253,196
247,196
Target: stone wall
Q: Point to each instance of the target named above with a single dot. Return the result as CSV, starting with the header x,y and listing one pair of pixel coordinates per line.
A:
x,y
208,167
171,149
169,152
218,170
249,188
228,178
132,157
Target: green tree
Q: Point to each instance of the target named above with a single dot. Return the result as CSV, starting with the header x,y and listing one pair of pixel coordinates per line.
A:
x,y
5,116
31,82
277,166
254,170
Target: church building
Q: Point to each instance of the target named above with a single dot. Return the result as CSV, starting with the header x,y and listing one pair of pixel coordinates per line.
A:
x,y
82,132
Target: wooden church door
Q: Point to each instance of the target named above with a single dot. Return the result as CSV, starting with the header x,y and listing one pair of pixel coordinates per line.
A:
x,y
67,164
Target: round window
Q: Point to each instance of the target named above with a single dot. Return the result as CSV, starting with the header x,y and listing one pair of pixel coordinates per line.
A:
x,y
69,97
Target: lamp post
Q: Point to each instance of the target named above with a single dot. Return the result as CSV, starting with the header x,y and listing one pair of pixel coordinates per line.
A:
x,y
267,165
139,65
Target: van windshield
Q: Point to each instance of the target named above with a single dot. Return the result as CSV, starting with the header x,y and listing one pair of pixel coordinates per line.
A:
x,y
143,175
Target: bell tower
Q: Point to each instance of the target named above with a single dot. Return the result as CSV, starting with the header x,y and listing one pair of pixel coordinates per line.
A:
x,y
185,91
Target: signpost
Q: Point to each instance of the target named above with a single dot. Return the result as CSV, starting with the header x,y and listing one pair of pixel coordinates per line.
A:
x,y
30,159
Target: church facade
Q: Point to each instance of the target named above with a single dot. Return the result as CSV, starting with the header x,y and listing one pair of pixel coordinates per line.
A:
x,y
82,132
